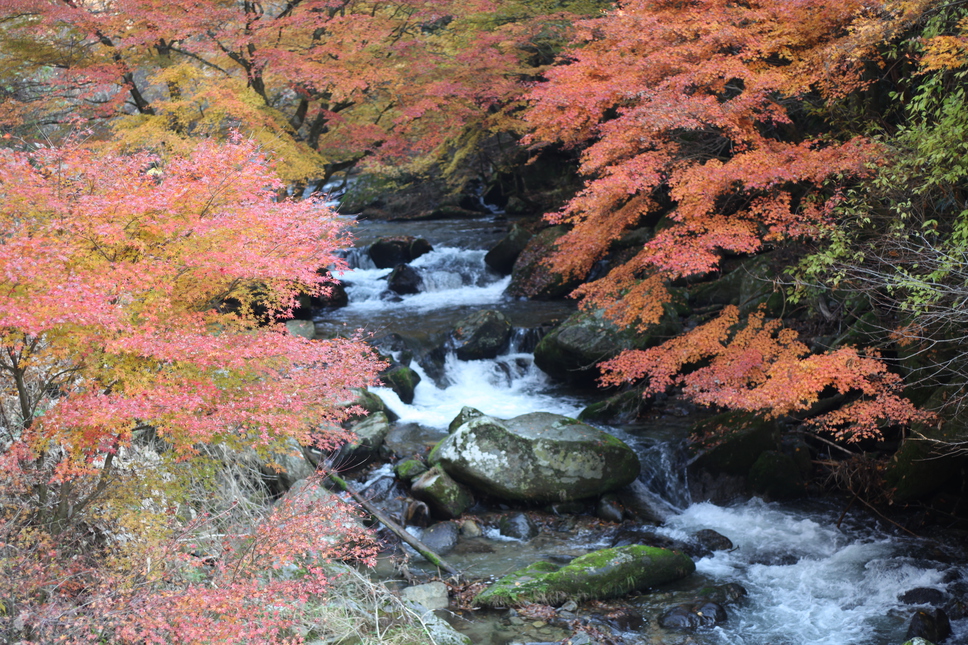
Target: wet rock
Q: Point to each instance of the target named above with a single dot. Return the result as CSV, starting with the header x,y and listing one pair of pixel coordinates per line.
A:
x,y
775,476
922,596
930,624
483,334
334,295
531,278
441,538
518,526
388,252
402,380
710,539
693,616
446,498
722,594
466,414
623,407
601,574
918,641
404,280
470,529
625,620
571,351
537,457
581,638
727,447
410,469
609,509
501,258
432,595
370,434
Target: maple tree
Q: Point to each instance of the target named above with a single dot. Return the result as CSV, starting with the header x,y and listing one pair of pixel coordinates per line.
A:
x,y
320,83
116,337
699,112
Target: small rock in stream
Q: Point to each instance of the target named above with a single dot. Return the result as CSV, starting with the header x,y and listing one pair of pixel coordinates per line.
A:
x,y
689,617
518,526
440,538
930,624
710,539
404,280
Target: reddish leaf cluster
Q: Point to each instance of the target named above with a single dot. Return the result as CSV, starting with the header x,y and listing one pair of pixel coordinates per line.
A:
x,y
692,110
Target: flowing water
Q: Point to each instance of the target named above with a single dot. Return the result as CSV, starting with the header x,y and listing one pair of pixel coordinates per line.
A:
x,y
809,581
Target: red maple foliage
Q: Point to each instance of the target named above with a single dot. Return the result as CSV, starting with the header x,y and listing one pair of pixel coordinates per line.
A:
x,y
116,271
695,110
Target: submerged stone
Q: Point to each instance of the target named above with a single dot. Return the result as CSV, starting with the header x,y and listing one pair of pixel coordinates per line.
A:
x,y
536,457
601,574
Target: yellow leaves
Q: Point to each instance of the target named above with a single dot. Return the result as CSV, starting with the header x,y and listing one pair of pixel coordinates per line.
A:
x,y
945,52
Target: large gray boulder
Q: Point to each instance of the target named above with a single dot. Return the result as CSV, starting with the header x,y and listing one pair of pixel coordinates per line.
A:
x,y
536,457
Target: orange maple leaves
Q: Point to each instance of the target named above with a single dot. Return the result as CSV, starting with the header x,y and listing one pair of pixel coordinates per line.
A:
x,y
695,111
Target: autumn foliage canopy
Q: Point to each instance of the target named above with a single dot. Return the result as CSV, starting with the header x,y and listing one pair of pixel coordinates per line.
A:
x,y
697,111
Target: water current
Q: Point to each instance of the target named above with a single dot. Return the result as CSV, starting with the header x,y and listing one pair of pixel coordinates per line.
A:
x,y
810,579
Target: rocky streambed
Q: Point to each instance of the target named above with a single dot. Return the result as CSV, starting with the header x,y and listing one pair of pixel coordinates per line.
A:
x,y
600,532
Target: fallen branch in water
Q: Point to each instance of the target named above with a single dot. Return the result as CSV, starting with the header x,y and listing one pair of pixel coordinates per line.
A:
x,y
396,529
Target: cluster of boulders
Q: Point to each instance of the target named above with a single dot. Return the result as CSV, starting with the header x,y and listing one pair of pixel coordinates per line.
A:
x,y
538,459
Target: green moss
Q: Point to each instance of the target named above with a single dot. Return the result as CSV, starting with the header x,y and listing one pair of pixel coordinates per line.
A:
x,y
601,574
410,469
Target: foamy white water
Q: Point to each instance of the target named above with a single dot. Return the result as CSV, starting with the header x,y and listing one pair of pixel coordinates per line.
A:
x,y
504,387
451,277
809,582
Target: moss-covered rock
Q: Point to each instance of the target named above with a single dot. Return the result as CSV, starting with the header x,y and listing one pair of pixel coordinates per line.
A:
x,y
447,498
601,574
368,402
466,414
731,442
483,334
410,469
619,408
402,380
370,434
537,457
302,328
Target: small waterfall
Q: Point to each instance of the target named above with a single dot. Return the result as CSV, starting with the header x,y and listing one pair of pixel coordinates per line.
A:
x,y
810,581
505,387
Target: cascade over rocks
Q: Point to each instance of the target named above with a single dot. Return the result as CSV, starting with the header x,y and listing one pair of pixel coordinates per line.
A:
x,y
536,457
